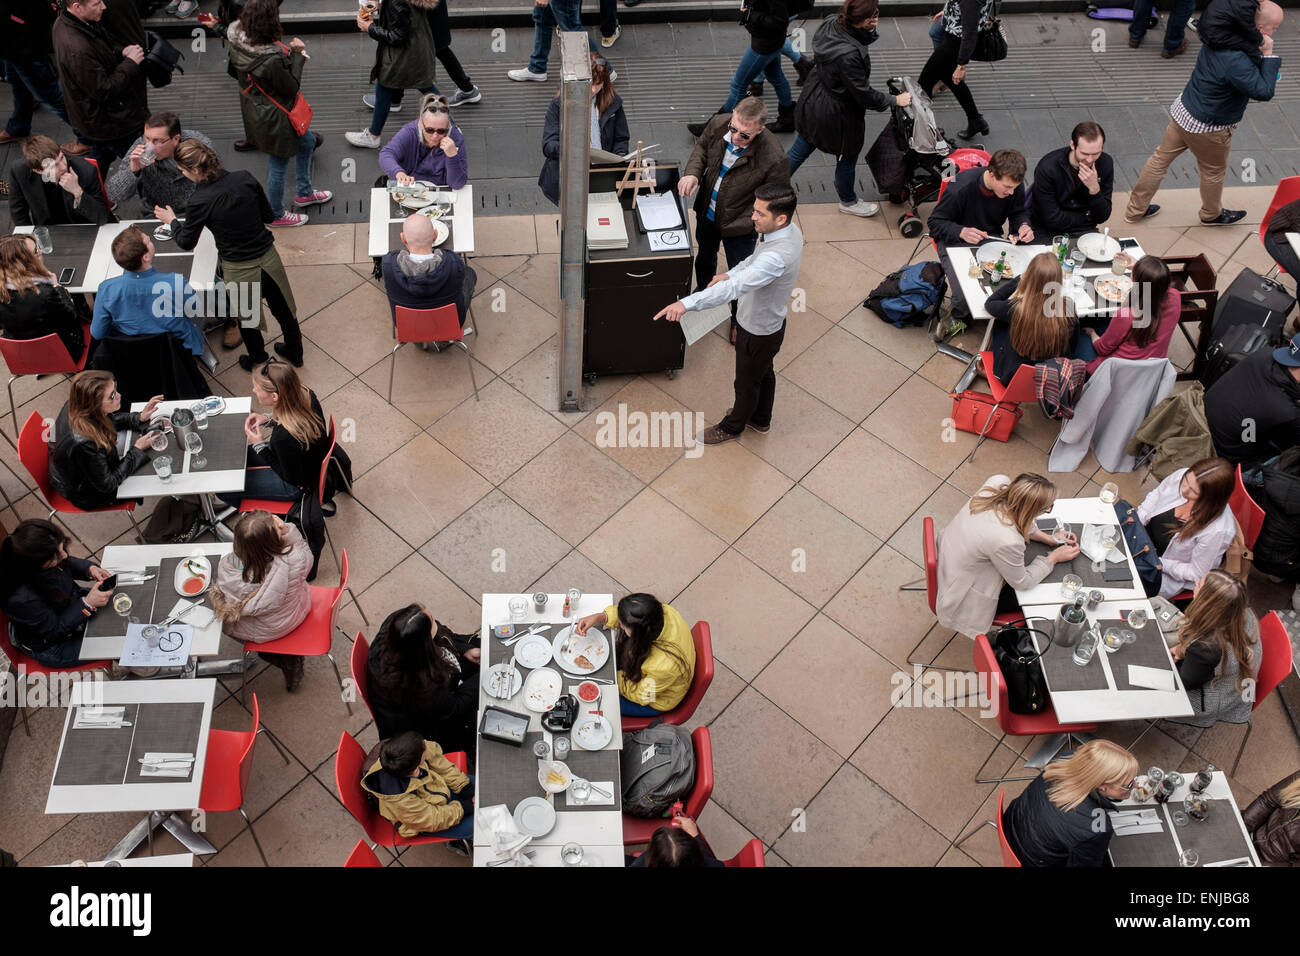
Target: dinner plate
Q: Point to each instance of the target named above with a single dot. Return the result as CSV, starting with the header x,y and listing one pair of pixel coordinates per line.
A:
x,y
542,689
1098,247
415,200
534,816
592,732
593,646
496,685
560,767
192,568
533,651
215,404
1113,288
989,252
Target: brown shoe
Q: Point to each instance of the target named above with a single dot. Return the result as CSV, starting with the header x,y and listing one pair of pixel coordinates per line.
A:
x,y
75,149
8,137
714,435
230,339
1170,54
754,89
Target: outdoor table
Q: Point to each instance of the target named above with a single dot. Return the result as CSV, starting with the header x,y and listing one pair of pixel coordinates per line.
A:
x,y
97,769
74,246
167,859
506,774
386,219
1220,839
1078,512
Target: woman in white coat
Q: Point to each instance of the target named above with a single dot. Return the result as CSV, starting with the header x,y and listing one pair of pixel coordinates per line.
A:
x,y
982,552
1190,523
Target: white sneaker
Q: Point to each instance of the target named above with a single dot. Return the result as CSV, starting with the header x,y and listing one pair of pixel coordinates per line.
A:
x,y
859,208
608,42
365,139
369,100
613,74
525,75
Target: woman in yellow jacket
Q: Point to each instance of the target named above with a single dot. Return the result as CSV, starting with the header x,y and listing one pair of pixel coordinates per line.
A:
x,y
655,653
421,791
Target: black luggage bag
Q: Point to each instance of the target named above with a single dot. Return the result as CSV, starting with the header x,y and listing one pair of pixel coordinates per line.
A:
x,y
1250,316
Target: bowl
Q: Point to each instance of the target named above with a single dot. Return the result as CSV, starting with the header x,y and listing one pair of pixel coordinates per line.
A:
x,y
588,691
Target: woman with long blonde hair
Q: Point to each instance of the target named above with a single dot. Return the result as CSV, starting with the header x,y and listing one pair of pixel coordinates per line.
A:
x,y
1274,823
32,303
1060,819
982,552
1032,320
1218,651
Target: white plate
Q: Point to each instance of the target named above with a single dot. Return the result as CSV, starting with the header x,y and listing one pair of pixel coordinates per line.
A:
x,y
215,404
534,816
592,732
542,689
182,574
1113,288
440,230
594,646
533,651
560,767
1098,247
990,251
495,686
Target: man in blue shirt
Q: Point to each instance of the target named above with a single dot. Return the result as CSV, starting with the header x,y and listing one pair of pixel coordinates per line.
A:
x,y
144,301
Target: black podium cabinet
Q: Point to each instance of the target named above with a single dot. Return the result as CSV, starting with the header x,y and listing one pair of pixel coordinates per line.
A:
x,y
624,288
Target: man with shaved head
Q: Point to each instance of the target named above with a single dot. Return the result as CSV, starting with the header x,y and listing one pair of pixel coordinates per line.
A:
x,y
419,276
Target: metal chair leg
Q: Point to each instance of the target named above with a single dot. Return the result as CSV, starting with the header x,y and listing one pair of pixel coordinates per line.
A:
x,y
978,779
392,368
988,422
469,358
22,679
13,409
360,609
139,535
918,585
243,680
1250,725
253,833
339,677
934,667
274,743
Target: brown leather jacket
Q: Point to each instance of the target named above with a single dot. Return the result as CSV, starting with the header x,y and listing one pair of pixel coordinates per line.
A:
x,y
761,163
1275,829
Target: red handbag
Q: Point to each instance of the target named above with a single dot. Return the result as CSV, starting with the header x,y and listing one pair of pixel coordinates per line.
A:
x,y
971,411
299,115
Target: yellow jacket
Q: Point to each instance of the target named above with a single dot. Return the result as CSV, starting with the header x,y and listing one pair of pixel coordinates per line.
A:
x,y
426,805
668,669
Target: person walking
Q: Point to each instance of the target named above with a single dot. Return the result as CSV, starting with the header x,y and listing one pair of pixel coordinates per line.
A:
x,y
403,58
26,47
962,20
1175,41
549,16
766,21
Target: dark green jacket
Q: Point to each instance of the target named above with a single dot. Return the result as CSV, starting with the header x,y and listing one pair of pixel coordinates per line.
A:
x,y
279,76
405,56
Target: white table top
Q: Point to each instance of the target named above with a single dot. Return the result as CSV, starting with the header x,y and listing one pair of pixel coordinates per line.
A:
x,y
1091,706
112,798
183,481
599,831
1218,790
1294,239
548,854
167,859
462,220
136,557
1082,511
1086,300
201,276
91,277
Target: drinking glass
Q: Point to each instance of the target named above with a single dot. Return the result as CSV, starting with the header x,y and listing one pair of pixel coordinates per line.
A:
x,y
518,609
561,747
1086,648
1137,618
571,854
1155,775
1142,789
1180,818
1119,264
200,412
159,441
151,634
162,466
1196,806
1060,529
1109,537
194,445
974,270
1112,639
1061,244
1175,779
1078,257
122,603
1109,492
542,750
1070,585
42,236
1190,858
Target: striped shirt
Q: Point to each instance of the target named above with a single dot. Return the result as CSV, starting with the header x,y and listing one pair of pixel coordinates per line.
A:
x,y
728,160
1189,122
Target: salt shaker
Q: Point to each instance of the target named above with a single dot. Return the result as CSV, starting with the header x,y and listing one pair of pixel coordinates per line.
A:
x,y
1094,599
561,747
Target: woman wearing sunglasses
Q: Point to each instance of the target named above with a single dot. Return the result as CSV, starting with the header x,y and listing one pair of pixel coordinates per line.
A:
x,y
608,127
428,148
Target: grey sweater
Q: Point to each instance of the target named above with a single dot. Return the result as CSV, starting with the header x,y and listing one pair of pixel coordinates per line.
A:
x,y
160,184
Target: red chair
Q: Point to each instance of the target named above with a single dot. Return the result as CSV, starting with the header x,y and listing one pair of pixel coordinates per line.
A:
x,y
637,830
751,854
24,665
1288,190
1009,857
44,356
100,173
429,325
1249,515
34,453
311,638
1019,390
1274,665
1016,725
968,157
359,659
226,769
362,855
347,777
699,684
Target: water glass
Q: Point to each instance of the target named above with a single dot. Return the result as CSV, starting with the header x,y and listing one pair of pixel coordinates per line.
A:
x,y
974,270
1155,775
159,441
571,854
149,155
1112,639
1137,618
200,412
1142,789
162,466
1078,258
1070,585
194,445
1179,817
1109,537
1109,492
542,750
518,609
1086,648
1190,858
122,603
561,747
43,241
1196,806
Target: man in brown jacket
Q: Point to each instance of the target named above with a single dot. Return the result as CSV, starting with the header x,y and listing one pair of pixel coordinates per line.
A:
x,y
733,157
103,85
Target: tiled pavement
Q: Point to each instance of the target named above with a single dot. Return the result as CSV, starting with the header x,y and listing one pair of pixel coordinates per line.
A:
x,y
800,709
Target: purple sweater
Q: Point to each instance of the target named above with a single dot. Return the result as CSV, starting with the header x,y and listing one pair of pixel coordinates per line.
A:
x,y
406,153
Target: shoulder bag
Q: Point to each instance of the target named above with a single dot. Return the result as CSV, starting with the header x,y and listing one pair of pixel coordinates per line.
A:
x,y
991,41
161,60
1013,649
299,115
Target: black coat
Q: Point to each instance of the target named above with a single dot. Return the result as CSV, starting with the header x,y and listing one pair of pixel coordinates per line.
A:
x,y
34,202
831,113
48,610
149,365
284,454
613,137
1043,835
105,92
234,206
767,23
86,474
42,310
1260,389
1277,550
404,56
1060,203
25,30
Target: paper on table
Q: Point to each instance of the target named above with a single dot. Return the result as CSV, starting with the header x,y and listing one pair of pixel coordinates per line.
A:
x,y
696,325
1139,828
109,717
167,765
659,211
1151,677
196,615
171,650
672,240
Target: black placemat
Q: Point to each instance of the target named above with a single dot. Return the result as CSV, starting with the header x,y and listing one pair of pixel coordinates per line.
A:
x,y
600,767
167,596
507,774
1081,565
1063,674
1145,849
225,446
106,623
164,728
499,653
1147,651
72,247
1216,838
395,233
96,756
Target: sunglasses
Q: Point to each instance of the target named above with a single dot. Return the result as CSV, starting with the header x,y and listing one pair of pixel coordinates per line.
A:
x,y
437,130
740,134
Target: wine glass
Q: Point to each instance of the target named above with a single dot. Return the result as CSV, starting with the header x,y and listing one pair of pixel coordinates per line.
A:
x,y
1070,585
122,604
1196,806
1109,492
1180,818
1109,537
194,445
1137,618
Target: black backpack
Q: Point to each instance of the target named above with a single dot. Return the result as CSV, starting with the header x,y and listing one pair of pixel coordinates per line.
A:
x,y
1238,342
1013,649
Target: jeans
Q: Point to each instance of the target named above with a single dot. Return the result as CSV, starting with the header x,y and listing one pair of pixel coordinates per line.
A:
x,y
279,169
1174,29
789,52
1211,152
608,17
63,654
751,65
755,380
567,15
384,100
628,709
32,81
465,829
261,482
846,168
936,32
1283,254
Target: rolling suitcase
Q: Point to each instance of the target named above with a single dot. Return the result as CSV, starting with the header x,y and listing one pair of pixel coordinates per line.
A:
x,y
1252,300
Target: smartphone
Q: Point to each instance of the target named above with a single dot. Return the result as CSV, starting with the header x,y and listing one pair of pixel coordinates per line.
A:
x,y
66,275
1125,244
108,583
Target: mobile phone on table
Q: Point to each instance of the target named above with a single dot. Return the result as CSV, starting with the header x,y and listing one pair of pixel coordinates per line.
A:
x,y
1126,244
108,583
66,275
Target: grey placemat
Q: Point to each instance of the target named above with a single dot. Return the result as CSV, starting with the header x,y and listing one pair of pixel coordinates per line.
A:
x,y
1216,838
1064,674
225,446
1145,849
500,653
167,596
96,756
106,623
596,766
507,774
164,728
1081,565
72,248
1148,651
395,234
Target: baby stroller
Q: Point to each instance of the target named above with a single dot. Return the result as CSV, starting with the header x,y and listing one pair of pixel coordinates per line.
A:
x,y
908,157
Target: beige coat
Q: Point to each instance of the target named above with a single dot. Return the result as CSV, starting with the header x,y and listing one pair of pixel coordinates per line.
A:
x,y
977,553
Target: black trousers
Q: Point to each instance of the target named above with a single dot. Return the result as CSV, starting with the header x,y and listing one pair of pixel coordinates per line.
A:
x,y
708,238
253,341
939,69
755,379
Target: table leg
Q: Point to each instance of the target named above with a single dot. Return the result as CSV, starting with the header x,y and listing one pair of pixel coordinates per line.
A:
x,y
137,835
175,825
210,520
1054,745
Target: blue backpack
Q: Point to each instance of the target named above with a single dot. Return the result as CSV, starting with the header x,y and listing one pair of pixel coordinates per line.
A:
x,y
908,296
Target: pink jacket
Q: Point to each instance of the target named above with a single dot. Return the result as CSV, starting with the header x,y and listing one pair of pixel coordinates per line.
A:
x,y
1115,341
282,601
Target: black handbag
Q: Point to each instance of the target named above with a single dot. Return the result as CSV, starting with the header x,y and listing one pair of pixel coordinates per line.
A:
x,y
1013,649
161,60
991,41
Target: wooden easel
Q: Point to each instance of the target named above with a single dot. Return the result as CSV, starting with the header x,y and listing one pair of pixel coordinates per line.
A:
x,y
637,166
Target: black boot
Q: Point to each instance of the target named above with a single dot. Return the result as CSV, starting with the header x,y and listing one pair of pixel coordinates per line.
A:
x,y
754,89
784,120
803,66
696,129
976,127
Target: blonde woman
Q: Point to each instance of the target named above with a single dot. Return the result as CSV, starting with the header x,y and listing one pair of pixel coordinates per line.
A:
x,y
1274,823
1060,819
982,552
1217,651
1032,320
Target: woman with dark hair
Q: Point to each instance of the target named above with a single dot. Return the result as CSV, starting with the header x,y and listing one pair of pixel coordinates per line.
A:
x,y
1217,653
424,678
85,465
234,206
261,591
608,127
46,607
831,114
655,652
1144,328
1190,523
678,845
32,303
962,20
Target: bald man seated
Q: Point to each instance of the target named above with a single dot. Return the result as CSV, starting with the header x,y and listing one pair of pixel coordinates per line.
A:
x,y
419,276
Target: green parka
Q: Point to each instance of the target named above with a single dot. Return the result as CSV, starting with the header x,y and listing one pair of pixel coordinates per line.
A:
x,y
405,57
278,73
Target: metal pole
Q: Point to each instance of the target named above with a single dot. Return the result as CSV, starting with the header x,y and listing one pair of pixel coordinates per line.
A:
x,y
575,120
